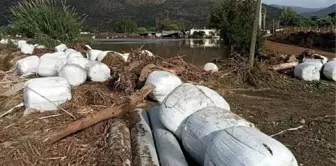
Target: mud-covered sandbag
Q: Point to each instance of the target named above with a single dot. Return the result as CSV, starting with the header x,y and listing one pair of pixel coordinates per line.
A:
x,y
61,48
329,70
74,54
27,65
307,72
46,94
120,143
113,59
167,146
78,61
186,100
164,82
75,74
202,126
237,146
27,48
51,64
102,55
97,71
92,54
210,67
318,63
144,151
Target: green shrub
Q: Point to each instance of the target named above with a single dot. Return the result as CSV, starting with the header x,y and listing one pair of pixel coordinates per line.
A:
x,y
46,19
142,30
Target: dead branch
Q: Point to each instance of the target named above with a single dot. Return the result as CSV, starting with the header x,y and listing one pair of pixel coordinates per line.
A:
x,y
290,129
111,112
284,66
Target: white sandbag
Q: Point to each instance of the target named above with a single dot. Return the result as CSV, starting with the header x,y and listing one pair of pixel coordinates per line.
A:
x,y
57,55
186,100
202,126
210,67
21,43
238,146
75,74
318,63
4,41
27,65
40,46
97,71
61,48
168,148
74,54
164,82
78,61
27,48
125,56
148,53
92,55
49,66
102,55
69,50
329,70
307,72
142,142
46,94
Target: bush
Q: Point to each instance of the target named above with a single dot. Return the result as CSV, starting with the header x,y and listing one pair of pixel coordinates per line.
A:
x,y
142,30
46,18
125,26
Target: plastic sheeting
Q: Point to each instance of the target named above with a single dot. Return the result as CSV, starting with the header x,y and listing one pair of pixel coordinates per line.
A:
x,y
75,74
307,72
201,127
46,94
27,65
51,64
329,70
164,82
168,148
237,146
186,100
142,142
210,67
97,71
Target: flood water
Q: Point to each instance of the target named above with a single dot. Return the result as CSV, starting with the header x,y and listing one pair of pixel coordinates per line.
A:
x,y
196,51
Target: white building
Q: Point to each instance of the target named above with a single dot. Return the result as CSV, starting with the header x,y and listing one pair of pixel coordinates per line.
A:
x,y
208,32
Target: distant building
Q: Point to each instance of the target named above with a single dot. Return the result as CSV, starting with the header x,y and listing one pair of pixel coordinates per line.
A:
x,y
207,32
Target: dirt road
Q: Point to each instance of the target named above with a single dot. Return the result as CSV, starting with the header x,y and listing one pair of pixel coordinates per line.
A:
x,y
291,49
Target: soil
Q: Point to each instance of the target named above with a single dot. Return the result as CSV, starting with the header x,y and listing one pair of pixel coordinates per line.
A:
x,y
272,101
291,49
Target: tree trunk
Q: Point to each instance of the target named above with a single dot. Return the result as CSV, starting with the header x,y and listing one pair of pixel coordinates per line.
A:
x,y
256,29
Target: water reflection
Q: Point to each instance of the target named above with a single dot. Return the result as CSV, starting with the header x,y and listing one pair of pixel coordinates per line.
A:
x,y
196,51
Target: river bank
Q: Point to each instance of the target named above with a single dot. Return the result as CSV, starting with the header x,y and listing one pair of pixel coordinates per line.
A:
x,y
272,101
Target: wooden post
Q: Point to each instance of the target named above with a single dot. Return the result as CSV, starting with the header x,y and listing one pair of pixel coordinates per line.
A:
x,y
256,29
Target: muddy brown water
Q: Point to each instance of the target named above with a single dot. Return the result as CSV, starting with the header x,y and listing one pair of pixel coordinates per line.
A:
x,y
196,51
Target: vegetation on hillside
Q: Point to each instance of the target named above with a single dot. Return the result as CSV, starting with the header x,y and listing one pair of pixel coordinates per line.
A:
x,y
46,19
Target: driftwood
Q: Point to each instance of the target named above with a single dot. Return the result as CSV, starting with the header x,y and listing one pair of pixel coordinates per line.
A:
x,y
111,112
284,66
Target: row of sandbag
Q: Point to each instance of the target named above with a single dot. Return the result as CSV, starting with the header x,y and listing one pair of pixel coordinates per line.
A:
x,y
311,69
210,133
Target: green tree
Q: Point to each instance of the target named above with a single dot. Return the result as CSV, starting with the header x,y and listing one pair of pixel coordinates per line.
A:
x,y
142,30
125,26
174,27
235,25
289,18
47,18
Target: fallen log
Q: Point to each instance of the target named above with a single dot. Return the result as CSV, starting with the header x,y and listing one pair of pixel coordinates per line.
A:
x,y
111,112
284,66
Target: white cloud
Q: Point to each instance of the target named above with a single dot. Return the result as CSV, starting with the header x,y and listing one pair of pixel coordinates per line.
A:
x,y
302,3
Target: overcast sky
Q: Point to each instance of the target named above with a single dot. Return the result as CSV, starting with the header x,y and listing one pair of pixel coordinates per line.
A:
x,y
302,3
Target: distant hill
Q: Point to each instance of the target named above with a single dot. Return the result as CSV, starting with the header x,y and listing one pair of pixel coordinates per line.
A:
x,y
298,9
102,14
322,12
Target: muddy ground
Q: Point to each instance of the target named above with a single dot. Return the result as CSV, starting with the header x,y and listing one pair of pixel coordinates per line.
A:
x,y
274,102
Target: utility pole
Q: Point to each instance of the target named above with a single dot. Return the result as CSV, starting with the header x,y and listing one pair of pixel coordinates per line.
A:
x,y
256,29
